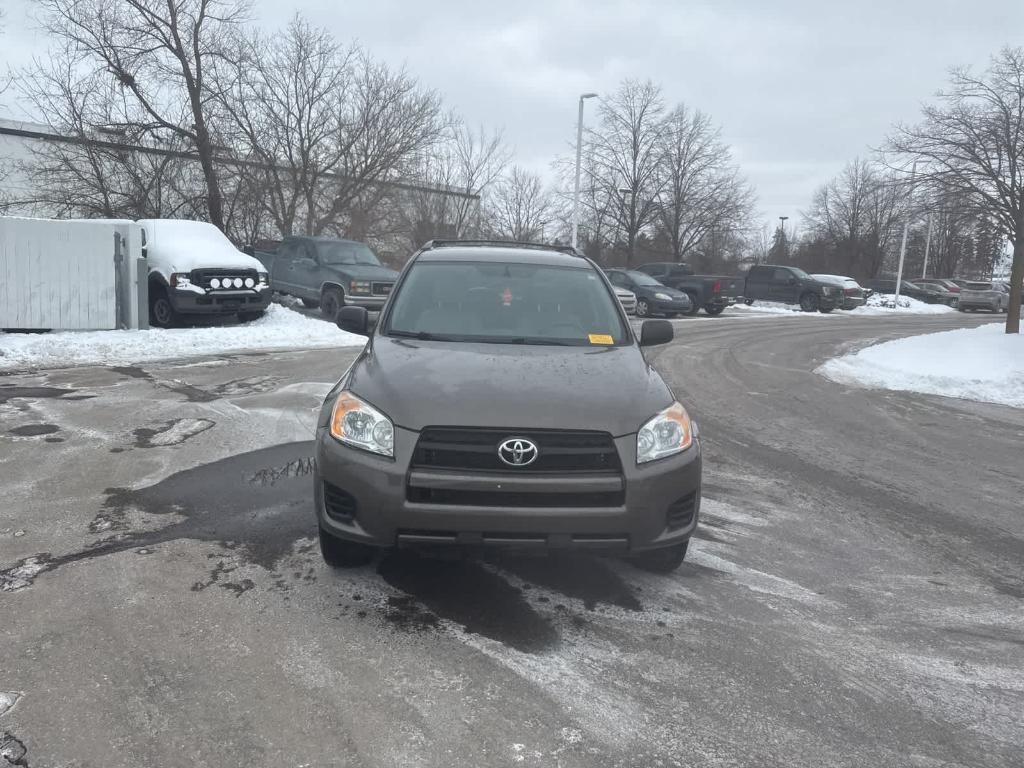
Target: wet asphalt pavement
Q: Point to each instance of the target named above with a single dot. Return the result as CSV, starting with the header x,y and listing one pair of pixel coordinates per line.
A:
x,y
855,596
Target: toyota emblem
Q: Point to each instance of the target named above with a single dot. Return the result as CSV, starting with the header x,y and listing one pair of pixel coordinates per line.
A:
x,y
518,452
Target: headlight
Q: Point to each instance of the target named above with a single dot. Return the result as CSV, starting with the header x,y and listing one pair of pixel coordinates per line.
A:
x,y
250,283
180,280
662,297
215,283
359,424
264,278
359,286
668,433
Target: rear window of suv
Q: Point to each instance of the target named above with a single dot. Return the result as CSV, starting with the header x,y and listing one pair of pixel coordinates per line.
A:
x,y
510,303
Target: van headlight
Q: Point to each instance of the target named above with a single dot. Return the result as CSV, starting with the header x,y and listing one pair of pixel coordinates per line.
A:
x,y
662,297
668,433
360,425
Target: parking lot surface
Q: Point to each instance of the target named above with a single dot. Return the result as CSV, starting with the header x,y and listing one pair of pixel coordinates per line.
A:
x,y
855,596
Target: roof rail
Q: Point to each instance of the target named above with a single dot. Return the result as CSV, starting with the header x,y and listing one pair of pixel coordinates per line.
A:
x,y
432,244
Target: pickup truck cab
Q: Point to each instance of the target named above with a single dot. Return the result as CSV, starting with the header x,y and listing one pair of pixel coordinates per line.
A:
x,y
195,270
790,285
329,273
713,293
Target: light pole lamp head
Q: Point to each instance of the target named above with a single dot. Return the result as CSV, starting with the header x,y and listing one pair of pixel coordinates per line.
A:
x,y
587,96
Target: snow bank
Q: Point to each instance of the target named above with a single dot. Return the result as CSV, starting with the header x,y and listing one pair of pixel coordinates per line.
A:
x,y
882,304
983,364
770,308
280,328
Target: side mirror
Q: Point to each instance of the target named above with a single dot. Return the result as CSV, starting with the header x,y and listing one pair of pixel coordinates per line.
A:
x,y
353,320
654,332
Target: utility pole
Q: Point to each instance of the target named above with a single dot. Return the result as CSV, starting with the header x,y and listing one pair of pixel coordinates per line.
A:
x,y
927,247
782,235
579,154
903,245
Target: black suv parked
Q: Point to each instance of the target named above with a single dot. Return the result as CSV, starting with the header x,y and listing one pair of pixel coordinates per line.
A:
x,y
790,285
503,400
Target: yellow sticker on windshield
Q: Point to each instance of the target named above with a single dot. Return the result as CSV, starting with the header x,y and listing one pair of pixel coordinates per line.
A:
x,y
600,338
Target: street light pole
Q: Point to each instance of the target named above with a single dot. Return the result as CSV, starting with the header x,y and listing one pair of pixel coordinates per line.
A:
x,y
903,244
927,247
782,235
579,153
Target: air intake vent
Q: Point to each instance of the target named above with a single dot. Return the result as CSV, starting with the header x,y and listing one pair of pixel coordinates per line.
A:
x,y
680,512
340,505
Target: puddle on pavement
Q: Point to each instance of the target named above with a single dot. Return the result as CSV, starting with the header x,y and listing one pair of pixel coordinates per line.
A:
x,y
191,393
584,577
34,430
8,392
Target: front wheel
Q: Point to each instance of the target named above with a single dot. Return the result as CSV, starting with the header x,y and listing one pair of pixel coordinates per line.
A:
x,y
825,310
331,301
749,302
694,306
339,553
714,310
663,560
809,302
161,311
643,309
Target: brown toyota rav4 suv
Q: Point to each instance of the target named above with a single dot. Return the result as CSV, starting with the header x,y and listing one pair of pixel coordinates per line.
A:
x,y
504,400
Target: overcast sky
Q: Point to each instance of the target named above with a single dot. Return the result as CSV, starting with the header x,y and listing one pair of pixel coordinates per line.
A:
x,y
799,87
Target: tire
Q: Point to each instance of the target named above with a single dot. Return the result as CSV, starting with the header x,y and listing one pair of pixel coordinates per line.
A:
x,y
713,310
663,560
331,301
310,303
643,309
963,309
749,302
694,305
339,553
809,302
825,310
161,311
248,317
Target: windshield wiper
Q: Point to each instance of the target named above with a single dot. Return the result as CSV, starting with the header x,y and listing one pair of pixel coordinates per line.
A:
x,y
524,340
421,335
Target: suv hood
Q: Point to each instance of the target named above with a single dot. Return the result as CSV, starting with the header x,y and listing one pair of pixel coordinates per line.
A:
x,y
363,271
428,383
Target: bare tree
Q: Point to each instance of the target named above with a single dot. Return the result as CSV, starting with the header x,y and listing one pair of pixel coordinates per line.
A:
x,y
626,149
702,194
160,53
519,207
972,141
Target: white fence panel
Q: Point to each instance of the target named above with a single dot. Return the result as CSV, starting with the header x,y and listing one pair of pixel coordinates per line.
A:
x,y
57,274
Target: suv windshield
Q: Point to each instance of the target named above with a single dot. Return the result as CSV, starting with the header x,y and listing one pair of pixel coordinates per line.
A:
x,y
505,303
345,253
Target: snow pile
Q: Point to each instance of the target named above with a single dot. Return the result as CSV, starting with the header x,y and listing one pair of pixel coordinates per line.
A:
x,y
770,308
882,304
279,328
983,364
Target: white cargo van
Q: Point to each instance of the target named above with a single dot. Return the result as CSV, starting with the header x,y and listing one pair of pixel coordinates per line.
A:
x,y
195,270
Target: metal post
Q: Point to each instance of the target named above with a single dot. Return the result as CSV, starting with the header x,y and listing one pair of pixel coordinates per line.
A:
x,y
579,154
903,245
927,247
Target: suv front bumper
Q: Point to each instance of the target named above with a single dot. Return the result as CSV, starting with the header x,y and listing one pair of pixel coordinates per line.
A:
x,y
191,301
661,503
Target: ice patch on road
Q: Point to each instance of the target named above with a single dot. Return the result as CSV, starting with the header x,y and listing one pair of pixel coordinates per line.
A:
x,y
280,328
7,701
983,364
758,581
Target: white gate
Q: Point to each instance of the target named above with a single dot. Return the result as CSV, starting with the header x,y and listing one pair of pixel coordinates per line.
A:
x,y
58,274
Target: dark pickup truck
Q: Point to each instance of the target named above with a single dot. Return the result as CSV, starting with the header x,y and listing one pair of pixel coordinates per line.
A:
x,y
328,273
713,293
790,285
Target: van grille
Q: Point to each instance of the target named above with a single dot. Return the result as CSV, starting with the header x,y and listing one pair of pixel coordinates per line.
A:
x,y
202,277
477,450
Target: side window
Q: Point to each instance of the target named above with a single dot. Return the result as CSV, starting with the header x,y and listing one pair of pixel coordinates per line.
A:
x,y
617,278
781,275
309,252
288,250
759,274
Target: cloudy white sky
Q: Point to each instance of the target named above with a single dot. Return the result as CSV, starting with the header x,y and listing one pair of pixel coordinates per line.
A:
x,y
798,86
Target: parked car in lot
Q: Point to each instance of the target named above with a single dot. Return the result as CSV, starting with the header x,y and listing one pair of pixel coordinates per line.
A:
x,y
329,273
480,414
853,294
195,270
994,297
909,289
713,293
950,285
626,298
939,294
652,298
790,285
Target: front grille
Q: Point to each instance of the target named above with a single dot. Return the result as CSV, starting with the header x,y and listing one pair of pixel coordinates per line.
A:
x,y
340,505
680,512
460,498
380,289
202,277
477,450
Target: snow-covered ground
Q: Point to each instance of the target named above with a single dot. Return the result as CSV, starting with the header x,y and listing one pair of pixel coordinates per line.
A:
x,y
878,304
280,328
883,304
982,363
